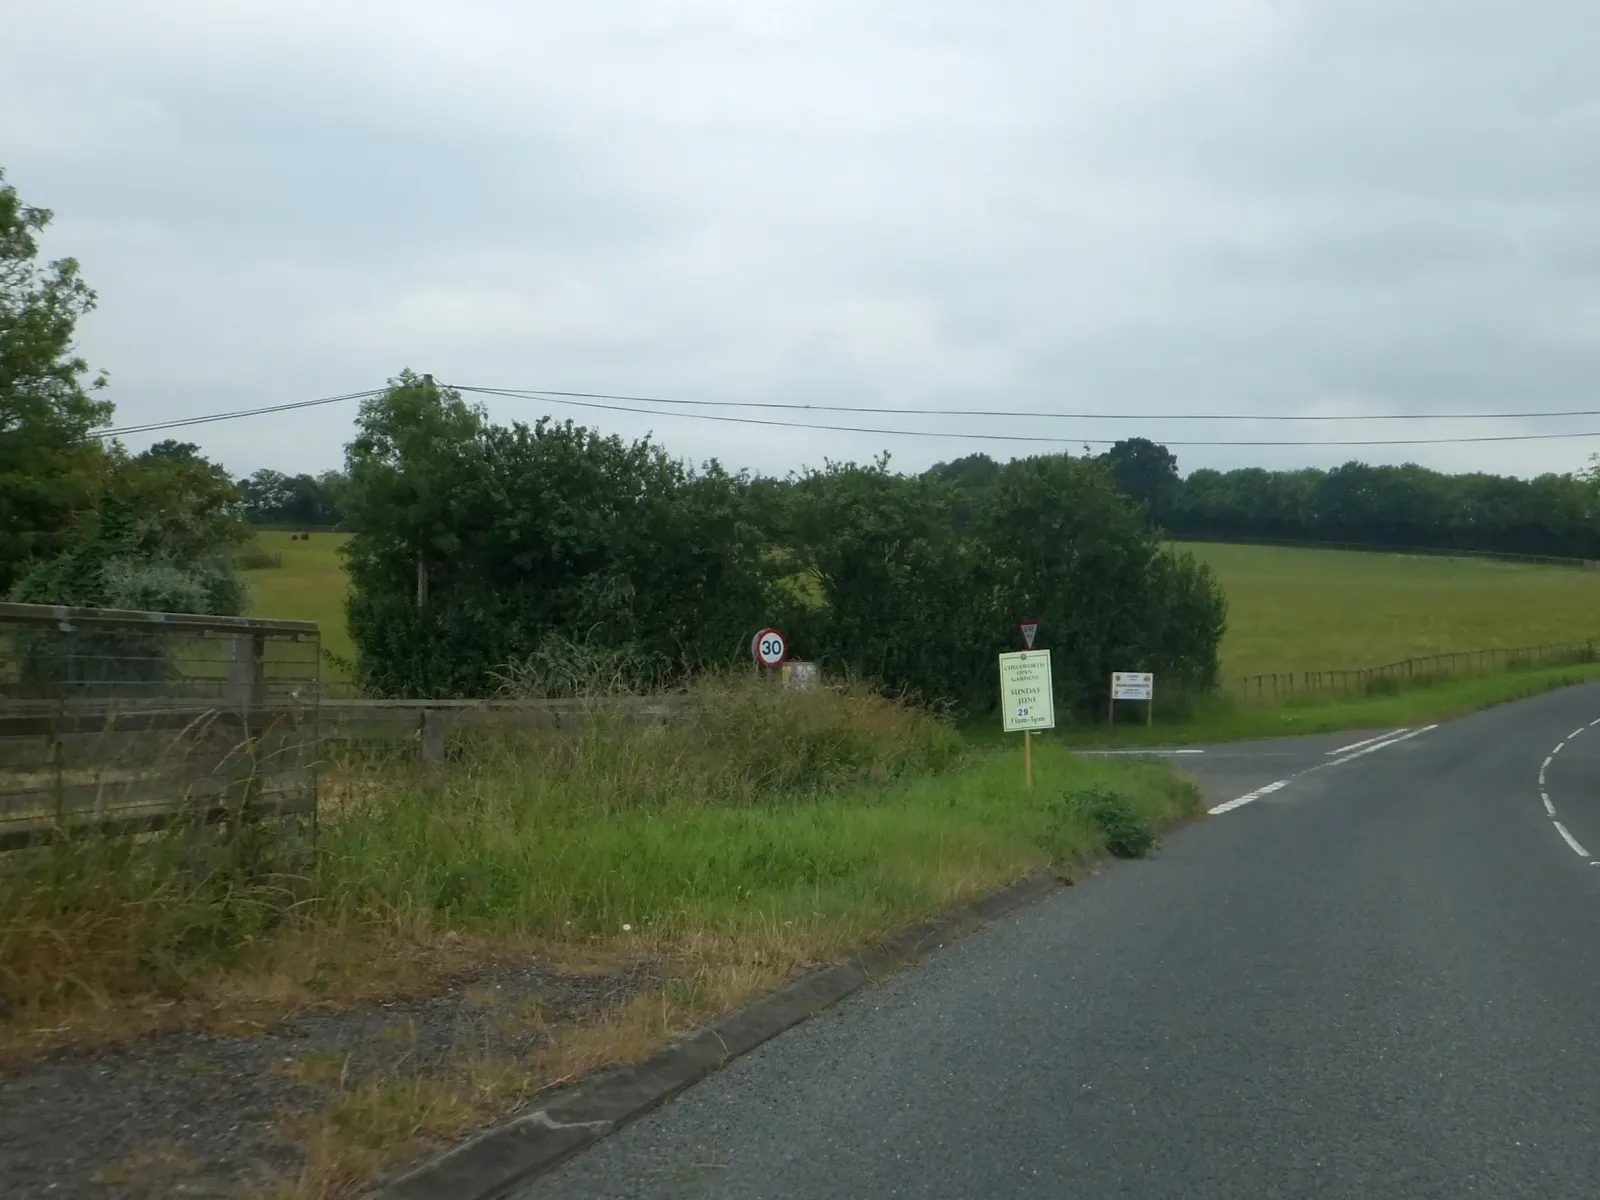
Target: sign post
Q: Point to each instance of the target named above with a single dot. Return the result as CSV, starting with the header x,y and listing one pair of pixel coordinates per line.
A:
x,y
1027,699
1132,685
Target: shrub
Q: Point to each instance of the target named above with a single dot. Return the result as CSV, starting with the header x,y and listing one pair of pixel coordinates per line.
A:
x,y
1127,832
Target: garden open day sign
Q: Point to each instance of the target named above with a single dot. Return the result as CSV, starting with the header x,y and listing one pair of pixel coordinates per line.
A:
x,y
1027,699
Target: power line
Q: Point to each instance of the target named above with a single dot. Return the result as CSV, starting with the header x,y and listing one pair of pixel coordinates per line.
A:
x,y
592,400
184,422
1006,437
545,394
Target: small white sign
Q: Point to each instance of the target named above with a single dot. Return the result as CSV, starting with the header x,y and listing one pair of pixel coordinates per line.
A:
x,y
1027,699
1132,685
801,676
769,649
1030,630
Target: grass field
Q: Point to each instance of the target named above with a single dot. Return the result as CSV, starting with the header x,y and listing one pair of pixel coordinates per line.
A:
x,y
1289,610
1306,610
310,586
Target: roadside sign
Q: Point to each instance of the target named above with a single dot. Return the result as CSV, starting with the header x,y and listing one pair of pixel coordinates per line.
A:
x,y
1027,700
801,676
1132,685
1030,630
769,649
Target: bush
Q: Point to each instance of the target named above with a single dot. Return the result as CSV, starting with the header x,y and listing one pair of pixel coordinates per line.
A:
x,y
1127,832
475,546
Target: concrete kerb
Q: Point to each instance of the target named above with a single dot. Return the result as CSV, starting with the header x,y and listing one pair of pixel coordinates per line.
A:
x,y
494,1162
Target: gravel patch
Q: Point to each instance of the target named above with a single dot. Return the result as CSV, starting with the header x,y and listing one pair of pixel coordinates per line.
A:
x,y
195,1114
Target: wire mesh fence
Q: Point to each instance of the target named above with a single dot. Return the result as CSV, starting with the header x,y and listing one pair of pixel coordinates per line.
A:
x,y
128,722
1276,687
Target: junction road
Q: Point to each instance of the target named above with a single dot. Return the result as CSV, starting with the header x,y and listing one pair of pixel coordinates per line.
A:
x,y
1376,976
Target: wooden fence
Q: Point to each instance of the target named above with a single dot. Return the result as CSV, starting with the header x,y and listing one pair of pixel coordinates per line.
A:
x,y
1275,687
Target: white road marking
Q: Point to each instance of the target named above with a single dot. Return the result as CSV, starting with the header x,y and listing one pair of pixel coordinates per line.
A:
x,y
1543,767
1249,796
1366,742
1104,753
1575,733
1548,807
1571,841
1394,741
1557,750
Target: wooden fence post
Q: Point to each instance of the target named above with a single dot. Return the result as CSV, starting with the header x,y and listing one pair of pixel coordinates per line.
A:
x,y
432,737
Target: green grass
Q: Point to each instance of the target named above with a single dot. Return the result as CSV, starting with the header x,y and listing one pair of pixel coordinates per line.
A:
x,y
806,821
310,586
1306,610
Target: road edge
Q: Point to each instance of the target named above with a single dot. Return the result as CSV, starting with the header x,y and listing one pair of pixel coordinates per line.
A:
x,y
495,1161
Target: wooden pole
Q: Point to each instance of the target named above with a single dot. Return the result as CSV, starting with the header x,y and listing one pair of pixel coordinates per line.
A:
x,y
1111,710
1150,711
1027,757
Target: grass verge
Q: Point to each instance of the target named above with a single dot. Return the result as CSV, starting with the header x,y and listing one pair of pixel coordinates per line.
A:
x,y
763,832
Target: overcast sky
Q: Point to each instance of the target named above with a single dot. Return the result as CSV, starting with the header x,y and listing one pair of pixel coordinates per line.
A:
x,y
1197,206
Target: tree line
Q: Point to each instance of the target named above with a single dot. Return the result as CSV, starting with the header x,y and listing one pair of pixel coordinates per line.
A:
x,y
475,547
1378,506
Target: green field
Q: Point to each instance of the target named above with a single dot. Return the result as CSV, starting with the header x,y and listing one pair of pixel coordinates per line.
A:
x,y
310,586
1289,610
1308,610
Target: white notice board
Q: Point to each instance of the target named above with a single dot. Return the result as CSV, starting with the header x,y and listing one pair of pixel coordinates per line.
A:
x,y
1132,685
1027,700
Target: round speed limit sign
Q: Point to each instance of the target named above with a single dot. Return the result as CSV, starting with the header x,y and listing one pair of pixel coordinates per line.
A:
x,y
769,648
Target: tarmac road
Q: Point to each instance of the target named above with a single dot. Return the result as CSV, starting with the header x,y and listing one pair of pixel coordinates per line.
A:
x,y
1380,979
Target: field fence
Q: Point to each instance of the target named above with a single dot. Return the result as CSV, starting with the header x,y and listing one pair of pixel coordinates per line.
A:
x,y
122,723
1275,687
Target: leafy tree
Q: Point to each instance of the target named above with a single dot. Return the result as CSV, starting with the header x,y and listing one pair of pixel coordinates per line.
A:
x,y
271,497
1145,472
49,468
159,538
527,534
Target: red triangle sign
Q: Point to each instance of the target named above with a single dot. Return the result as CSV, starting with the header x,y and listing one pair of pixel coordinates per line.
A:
x,y
1030,630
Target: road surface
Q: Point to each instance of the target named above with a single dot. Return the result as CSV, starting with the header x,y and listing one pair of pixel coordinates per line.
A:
x,y
1379,979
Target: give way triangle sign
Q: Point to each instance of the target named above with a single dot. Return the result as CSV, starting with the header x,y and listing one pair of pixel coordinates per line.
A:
x,y
1030,630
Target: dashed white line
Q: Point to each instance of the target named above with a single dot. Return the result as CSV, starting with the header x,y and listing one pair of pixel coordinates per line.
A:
x,y
1267,790
1248,797
1571,841
1566,834
1366,741
1393,741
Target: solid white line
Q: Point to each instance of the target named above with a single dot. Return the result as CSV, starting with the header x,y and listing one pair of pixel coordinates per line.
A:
x,y
1548,807
1571,841
1367,741
1248,797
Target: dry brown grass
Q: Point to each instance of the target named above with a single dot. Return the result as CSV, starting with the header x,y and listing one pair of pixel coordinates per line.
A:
x,y
370,1125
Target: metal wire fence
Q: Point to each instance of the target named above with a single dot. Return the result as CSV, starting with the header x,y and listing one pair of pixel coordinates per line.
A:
x,y
127,722
1276,687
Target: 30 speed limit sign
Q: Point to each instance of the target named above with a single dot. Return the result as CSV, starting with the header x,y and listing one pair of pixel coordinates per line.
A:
x,y
769,649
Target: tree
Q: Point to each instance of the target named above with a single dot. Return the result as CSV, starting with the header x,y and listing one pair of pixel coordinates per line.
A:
x,y
1145,472
160,538
50,468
